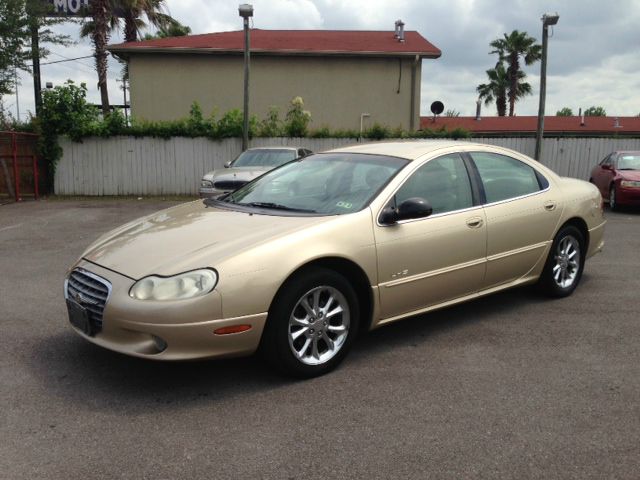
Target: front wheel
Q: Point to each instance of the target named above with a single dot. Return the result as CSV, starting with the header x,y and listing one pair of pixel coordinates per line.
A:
x,y
565,263
312,323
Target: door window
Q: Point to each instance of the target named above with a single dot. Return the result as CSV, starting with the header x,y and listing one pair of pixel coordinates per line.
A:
x,y
443,181
505,177
606,160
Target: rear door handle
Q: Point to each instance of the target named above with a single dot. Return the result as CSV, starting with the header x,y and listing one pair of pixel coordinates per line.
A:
x,y
550,206
474,222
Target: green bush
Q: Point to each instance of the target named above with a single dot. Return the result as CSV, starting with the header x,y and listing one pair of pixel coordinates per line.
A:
x,y
65,111
271,126
297,120
377,132
322,132
196,124
345,133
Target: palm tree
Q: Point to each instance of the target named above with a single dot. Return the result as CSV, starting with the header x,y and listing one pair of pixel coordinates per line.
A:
x,y
101,13
133,10
496,89
106,17
510,49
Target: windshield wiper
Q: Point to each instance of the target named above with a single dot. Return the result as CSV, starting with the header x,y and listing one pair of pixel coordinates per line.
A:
x,y
276,206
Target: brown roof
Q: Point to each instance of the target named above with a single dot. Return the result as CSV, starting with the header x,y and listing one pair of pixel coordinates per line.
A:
x,y
529,124
290,42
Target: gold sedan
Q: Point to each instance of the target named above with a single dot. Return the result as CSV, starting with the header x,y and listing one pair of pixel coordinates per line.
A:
x,y
298,261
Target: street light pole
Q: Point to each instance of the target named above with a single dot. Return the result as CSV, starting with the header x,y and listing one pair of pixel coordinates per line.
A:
x,y
547,20
245,10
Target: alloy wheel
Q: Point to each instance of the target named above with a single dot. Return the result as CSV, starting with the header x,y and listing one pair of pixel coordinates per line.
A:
x,y
319,325
567,262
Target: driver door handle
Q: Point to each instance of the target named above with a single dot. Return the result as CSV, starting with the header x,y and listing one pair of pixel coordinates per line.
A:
x,y
474,222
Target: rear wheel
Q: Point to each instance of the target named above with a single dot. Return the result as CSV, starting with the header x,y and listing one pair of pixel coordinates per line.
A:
x,y
312,323
613,198
565,263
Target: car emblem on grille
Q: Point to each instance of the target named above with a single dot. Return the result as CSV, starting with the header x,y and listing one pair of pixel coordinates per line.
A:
x,y
82,299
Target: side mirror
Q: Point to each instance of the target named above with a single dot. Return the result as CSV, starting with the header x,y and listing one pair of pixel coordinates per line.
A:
x,y
411,208
606,166
227,165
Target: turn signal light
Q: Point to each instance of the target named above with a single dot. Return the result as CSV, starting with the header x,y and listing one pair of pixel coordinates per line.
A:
x,y
232,329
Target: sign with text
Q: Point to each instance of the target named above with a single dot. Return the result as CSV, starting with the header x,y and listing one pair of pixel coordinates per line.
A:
x,y
69,8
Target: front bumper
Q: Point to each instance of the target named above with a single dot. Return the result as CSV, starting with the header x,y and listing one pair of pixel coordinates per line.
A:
x,y
628,196
176,330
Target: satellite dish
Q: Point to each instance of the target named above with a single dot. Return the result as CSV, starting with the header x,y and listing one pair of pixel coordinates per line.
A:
x,y
437,107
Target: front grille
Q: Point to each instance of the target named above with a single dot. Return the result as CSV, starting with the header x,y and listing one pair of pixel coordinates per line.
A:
x,y
229,184
91,292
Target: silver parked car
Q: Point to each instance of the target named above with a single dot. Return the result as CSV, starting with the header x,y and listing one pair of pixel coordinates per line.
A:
x,y
248,165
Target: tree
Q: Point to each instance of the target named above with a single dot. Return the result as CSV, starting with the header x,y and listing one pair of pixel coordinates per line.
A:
x,y
510,49
153,10
564,112
13,28
175,29
452,113
595,112
496,89
101,15
107,16
17,20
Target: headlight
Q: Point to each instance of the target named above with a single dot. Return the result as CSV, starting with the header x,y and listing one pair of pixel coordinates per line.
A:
x,y
185,285
629,183
206,184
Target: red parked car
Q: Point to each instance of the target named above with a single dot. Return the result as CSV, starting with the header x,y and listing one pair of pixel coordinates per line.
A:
x,y
618,178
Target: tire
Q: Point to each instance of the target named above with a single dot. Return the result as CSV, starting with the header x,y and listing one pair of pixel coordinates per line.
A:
x,y
565,263
300,339
613,199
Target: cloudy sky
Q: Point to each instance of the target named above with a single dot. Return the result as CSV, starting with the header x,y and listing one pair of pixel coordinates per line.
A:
x,y
594,53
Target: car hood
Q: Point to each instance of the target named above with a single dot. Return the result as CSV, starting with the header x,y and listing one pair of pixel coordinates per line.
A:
x,y
633,175
241,173
187,237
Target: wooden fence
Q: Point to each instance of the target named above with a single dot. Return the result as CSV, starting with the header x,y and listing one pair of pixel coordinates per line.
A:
x,y
153,166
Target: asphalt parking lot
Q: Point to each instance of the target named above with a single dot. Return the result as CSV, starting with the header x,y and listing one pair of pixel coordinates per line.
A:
x,y
510,386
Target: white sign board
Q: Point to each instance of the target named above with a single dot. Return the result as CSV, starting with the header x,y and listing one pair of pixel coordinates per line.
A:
x,y
69,7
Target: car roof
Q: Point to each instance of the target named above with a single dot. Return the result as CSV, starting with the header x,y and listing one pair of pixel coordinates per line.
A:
x,y
410,150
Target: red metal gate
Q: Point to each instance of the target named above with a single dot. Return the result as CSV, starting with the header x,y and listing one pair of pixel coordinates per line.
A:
x,y
18,166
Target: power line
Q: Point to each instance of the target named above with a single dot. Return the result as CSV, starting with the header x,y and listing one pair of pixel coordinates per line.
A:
x,y
68,60
72,59
79,69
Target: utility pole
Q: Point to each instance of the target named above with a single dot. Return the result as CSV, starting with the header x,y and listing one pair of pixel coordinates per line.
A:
x,y
246,11
35,57
547,20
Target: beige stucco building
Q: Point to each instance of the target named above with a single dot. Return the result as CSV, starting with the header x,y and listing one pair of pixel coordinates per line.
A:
x,y
339,74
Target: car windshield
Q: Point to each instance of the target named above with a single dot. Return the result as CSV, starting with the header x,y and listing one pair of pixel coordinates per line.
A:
x,y
271,157
629,162
326,184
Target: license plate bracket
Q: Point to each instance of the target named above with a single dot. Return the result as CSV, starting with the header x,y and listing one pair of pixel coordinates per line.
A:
x,y
79,318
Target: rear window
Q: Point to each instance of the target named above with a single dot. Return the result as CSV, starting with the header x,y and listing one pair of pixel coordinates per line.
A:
x,y
504,177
